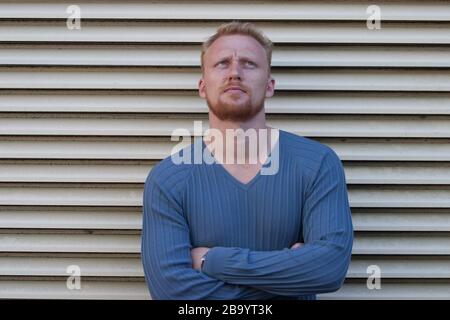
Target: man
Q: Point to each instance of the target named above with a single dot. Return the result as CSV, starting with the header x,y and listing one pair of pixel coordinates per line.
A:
x,y
223,230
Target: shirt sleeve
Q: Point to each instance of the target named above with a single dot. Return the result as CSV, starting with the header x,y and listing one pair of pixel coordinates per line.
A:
x,y
320,265
166,256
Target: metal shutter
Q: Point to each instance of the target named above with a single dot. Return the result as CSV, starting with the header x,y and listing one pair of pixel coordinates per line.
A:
x,y
84,114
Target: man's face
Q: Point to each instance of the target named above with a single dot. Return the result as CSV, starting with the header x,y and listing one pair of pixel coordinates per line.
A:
x,y
236,78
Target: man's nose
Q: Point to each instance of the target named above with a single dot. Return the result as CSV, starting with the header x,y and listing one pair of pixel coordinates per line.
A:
x,y
234,71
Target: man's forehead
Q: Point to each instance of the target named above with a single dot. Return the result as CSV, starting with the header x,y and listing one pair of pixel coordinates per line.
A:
x,y
236,45
236,53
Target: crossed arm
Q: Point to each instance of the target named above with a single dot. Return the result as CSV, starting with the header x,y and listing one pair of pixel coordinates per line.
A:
x,y
171,265
166,259
198,253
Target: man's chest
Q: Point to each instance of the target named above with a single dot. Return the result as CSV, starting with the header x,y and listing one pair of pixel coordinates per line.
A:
x,y
242,173
264,216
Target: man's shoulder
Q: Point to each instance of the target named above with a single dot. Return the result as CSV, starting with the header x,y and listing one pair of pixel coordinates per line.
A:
x,y
311,155
306,148
169,172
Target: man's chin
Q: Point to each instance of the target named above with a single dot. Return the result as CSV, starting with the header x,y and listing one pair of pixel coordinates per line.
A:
x,y
234,113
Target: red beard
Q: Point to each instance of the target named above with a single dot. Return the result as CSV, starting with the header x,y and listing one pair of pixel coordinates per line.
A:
x,y
228,109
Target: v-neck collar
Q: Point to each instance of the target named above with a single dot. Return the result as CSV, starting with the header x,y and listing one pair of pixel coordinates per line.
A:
x,y
248,185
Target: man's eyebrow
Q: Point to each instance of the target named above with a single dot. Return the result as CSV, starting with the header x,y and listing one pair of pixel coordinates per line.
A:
x,y
240,59
223,59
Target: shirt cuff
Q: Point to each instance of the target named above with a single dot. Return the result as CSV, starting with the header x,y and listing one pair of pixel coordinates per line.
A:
x,y
216,260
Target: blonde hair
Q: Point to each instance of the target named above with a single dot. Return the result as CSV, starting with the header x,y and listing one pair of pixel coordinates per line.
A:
x,y
242,28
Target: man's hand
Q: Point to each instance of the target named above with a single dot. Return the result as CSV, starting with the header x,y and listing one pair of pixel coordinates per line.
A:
x,y
197,254
297,245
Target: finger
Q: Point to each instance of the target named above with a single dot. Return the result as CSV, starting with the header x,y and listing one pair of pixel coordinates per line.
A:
x,y
297,245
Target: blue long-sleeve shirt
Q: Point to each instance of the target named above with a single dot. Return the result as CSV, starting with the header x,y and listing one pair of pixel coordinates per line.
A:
x,y
249,227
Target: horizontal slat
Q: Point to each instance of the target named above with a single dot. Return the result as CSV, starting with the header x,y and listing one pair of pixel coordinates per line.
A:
x,y
47,289
364,243
395,267
69,243
188,55
360,56
400,267
81,196
197,32
121,196
408,197
400,220
94,149
134,148
107,195
189,101
89,267
402,244
397,173
398,291
70,172
74,171
106,218
153,125
220,10
113,219
408,150
52,218
172,78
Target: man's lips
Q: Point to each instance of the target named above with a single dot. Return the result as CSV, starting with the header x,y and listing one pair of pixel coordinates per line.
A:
x,y
233,89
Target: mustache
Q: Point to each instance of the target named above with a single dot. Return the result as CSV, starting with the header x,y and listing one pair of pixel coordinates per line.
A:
x,y
244,88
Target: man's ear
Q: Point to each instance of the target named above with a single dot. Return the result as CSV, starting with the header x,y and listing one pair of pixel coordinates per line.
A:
x,y
270,88
201,88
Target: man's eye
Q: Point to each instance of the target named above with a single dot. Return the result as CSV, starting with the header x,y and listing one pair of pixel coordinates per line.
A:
x,y
249,63
221,63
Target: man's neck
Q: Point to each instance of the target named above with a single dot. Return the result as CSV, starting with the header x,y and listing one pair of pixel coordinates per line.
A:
x,y
256,123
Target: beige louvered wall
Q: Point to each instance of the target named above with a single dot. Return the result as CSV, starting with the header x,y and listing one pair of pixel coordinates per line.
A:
x,y
84,115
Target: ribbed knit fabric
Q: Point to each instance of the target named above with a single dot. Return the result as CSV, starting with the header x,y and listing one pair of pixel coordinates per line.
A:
x,y
250,227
